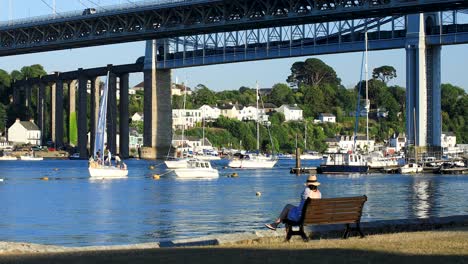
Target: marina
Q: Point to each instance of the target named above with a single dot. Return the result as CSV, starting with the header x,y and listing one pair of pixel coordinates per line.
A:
x,y
70,209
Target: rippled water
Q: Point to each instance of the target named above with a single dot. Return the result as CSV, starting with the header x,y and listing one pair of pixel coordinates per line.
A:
x,y
72,210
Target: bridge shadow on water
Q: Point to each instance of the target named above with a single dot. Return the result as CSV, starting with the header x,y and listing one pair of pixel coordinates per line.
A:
x,y
233,255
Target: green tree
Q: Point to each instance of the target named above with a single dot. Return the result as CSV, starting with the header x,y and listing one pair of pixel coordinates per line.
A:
x,y
384,73
5,90
282,94
202,95
313,72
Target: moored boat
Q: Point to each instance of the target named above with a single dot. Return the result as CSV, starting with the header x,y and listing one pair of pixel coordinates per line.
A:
x,y
344,163
249,161
197,169
6,157
410,168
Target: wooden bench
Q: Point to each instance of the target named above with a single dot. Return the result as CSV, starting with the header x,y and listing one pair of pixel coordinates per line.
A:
x,y
345,210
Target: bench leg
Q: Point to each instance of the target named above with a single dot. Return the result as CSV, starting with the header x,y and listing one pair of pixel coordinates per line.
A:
x,y
358,226
346,233
303,235
288,232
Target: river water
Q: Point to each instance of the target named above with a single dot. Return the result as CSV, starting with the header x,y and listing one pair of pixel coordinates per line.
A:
x,y
71,210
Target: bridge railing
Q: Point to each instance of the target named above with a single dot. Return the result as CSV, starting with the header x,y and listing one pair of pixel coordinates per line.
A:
x,y
98,11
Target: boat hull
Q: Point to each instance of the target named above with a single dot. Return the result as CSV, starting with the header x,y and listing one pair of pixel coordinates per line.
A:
x,y
252,164
310,157
206,157
107,173
8,158
31,158
190,173
343,169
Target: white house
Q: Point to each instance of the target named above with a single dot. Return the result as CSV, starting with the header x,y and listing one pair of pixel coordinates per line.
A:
x,y
210,112
192,143
186,118
24,132
179,89
291,112
230,110
398,141
325,117
448,140
138,117
346,144
135,139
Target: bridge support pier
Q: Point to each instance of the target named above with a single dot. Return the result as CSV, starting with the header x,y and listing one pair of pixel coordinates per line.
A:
x,y
423,82
82,116
124,116
57,113
112,114
41,110
72,118
94,113
157,135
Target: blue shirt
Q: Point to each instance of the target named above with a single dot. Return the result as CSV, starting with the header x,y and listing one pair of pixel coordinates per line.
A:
x,y
295,213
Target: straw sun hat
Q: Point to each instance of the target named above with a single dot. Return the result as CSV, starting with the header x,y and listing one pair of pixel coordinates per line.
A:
x,y
312,180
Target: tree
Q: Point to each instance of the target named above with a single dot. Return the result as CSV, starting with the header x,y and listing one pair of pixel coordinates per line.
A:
x,y
384,73
312,72
281,94
5,90
202,95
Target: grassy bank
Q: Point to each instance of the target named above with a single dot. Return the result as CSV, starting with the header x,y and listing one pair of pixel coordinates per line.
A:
x,y
448,246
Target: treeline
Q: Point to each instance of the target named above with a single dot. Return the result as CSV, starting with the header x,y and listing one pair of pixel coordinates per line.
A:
x,y
316,88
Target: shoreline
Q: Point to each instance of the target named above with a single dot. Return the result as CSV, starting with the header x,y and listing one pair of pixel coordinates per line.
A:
x,y
318,233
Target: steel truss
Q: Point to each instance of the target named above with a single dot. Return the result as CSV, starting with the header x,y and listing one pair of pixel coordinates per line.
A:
x,y
301,40
189,17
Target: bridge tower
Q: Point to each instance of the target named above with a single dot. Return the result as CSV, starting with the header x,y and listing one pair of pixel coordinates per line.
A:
x,y
423,83
157,109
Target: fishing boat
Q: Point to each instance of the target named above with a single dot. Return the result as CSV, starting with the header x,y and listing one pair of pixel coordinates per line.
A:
x,y
410,168
344,163
197,169
99,167
257,160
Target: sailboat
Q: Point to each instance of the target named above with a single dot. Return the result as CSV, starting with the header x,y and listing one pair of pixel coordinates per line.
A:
x,y
98,166
254,161
182,162
309,155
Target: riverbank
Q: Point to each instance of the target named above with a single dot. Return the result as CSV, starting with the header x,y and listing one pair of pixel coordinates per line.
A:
x,y
386,242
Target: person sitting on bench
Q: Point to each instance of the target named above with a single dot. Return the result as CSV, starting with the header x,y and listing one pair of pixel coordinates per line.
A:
x,y
292,212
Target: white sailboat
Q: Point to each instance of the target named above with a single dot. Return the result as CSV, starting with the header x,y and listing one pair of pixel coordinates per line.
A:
x,y
254,161
197,169
176,162
309,155
98,167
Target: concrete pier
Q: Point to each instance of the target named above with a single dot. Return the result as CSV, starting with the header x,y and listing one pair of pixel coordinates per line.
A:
x,y
423,82
57,113
157,133
72,118
124,116
112,114
82,117
41,109
94,111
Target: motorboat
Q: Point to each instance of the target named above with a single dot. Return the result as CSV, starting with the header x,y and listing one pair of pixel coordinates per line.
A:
x,y
6,157
250,161
377,161
197,169
30,158
99,167
284,156
344,163
311,155
177,163
410,168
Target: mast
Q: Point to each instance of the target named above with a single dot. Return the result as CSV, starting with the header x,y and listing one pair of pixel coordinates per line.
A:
x,y
183,113
305,135
258,123
367,94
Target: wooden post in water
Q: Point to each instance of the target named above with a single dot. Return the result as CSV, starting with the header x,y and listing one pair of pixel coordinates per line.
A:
x,y
298,161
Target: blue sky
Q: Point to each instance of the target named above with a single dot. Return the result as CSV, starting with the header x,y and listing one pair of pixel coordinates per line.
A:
x,y
217,77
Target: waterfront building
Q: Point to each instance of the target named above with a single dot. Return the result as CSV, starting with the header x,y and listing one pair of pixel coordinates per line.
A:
x,y
346,144
137,117
186,118
191,143
291,112
24,132
135,139
230,110
210,112
326,117
398,141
